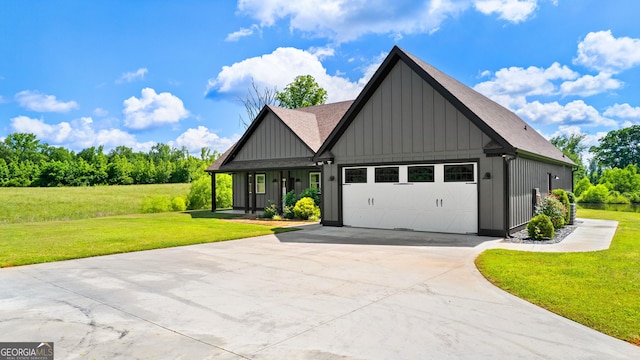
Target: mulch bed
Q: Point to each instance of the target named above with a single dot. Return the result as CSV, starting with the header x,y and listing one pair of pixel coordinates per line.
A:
x,y
522,237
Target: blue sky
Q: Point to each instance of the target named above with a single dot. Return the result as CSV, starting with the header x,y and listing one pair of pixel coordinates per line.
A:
x,y
134,73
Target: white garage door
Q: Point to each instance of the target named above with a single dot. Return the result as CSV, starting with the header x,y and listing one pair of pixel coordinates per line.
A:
x,y
429,197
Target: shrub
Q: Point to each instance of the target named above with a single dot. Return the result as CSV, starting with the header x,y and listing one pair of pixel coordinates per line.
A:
x,y
288,212
540,227
271,210
594,194
156,204
290,198
634,197
178,204
571,196
615,197
224,191
306,208
199,194
553,208
582,185
276,217
313,218
310,193
564,199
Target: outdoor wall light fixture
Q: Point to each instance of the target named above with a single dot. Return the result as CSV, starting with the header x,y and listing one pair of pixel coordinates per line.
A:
x,y
487,175
275,180
332,178
556,177
297,180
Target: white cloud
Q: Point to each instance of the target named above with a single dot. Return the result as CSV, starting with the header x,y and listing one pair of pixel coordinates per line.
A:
x,y
100,112
279,69
151,110
624,111
243,32
344,21
132,76
574,112
35,101
521,82
77,134
196,139
588,85
514,11
603,52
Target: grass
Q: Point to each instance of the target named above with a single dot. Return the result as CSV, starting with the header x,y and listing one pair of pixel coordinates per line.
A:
x,y
20,205
38,242
598,289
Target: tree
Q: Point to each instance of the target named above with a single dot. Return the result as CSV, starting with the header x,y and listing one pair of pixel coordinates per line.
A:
x,y
625,180
255,100
619,148
302,92
572,147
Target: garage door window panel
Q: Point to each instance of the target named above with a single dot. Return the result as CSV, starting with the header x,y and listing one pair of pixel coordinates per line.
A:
x,y
459,173
355,176
387,175
420,174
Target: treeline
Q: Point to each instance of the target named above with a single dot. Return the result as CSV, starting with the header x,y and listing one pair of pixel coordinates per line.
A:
x,y
26,161
613,173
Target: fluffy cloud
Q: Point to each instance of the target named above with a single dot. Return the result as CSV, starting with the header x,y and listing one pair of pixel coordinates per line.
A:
x,y
100,112
510,86
132,76
624,111
77,134
514,11
603,52
152,109
279,69
36,101
588,85
574,112
348,20
196,139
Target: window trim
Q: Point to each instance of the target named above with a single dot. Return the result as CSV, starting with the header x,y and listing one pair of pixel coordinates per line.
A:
x,y
264,183
318,183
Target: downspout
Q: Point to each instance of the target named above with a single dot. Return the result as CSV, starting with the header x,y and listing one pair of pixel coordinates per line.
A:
x,y
507,193
214,205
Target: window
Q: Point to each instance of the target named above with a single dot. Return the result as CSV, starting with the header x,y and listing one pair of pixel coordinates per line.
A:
x,y
260,182
387,174
355,175
420,174
314,181
455,173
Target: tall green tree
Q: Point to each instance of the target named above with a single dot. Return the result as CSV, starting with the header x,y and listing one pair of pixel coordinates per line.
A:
x,y
619,148
302,92
572,147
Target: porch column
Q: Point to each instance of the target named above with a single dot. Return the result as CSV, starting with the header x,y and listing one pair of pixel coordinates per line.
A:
x,y
280,191
246,192
214,205
253,192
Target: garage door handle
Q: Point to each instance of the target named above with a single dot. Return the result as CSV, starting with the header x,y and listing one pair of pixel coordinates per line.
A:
x,y
371,201
440,202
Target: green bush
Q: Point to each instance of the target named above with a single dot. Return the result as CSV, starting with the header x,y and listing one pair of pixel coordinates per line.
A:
x,y
582,185
540,227
178,204
276,217
224,191
270,211
290,198
156,204
564,199
288,212
633,197
200,194
306,208
553,208
310,193
594,194
615,197
571,196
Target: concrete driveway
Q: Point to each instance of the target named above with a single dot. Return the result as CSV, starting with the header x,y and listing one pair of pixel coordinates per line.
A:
x,y
320,293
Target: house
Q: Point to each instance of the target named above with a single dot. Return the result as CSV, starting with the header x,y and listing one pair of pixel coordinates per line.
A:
x,y
416,150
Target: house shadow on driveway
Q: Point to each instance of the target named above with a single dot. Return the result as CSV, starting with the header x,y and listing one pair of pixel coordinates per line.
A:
x,y
318,234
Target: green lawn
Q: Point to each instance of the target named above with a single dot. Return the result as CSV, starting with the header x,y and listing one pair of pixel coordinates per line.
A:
x,y
598,289
38,242
19,205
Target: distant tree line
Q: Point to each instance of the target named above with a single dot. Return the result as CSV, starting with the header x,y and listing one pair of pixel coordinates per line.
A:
x,y
26,161
613,173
